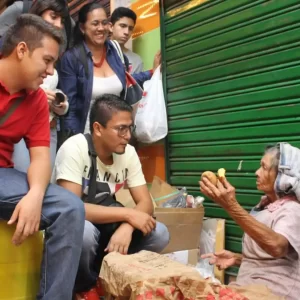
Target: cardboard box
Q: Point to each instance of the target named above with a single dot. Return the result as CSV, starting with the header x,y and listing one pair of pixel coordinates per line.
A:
x,y
124,197
162,191
184,225
186,257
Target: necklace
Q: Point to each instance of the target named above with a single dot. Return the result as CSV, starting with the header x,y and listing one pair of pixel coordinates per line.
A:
x,y
100,63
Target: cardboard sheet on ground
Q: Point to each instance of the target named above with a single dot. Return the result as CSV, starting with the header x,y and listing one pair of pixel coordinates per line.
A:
x,y
147,275
186,257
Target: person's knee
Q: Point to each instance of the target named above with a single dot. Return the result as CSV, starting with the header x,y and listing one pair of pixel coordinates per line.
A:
x,y
91,237
70,206
162,237
76,207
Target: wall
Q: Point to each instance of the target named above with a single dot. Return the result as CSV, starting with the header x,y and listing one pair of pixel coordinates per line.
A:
x,y
146,42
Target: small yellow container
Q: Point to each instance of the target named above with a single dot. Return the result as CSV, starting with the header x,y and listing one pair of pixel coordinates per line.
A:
x,y
19,266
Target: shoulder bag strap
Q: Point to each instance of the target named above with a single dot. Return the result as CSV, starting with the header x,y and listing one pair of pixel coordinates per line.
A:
x,y
119,50
93,172
11,110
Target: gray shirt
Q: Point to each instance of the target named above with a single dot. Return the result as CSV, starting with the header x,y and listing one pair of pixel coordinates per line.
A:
x,y
10,15
135,61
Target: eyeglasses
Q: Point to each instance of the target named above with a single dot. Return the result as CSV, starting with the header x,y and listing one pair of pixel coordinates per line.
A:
x,y
123,129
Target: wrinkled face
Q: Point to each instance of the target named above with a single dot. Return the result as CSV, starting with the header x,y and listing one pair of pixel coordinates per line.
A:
x,y
122,30
96,27
117,133
266,174
53,18
35,66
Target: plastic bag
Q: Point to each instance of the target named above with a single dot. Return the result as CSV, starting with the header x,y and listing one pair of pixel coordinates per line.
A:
x,y
178,201
207,245
151,116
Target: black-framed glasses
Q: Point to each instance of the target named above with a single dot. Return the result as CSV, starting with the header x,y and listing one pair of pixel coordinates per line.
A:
x,y
123,129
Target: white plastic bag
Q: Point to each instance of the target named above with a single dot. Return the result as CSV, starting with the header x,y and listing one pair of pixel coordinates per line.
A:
x,y
207,245
151,116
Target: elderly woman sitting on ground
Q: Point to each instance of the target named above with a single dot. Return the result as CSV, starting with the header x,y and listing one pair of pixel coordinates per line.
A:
x,y
271,244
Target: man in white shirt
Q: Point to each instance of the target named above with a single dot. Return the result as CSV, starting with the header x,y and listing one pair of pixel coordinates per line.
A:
x,y
117,163
123,22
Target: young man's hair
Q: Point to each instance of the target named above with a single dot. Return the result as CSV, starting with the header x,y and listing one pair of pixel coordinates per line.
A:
x,y
105,107
122,12
30,29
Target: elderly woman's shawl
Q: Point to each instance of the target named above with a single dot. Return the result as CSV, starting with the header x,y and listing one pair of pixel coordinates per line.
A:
x,y
288,178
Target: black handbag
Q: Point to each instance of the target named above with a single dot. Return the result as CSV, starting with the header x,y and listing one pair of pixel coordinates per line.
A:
x,y
106,230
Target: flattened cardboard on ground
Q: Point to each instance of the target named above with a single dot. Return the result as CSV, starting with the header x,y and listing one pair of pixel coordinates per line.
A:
x,y
184,225
148,275
186,257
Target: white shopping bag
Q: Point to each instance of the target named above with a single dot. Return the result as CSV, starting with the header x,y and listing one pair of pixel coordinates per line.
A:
x,y
151,116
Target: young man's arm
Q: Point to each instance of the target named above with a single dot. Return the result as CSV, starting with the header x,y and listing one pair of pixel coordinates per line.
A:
x,y
121,239
99,214
27,213
142,198
68,173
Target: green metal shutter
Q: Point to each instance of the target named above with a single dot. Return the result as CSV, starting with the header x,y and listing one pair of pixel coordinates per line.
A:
x,y
232,86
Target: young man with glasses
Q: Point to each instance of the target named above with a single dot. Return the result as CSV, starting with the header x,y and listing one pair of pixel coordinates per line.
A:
x,y
117,164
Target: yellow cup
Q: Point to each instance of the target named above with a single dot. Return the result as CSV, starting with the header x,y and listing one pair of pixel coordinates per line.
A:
x,y
19,266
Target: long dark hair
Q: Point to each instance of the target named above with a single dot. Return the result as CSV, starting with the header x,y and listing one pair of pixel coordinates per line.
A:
x,y
58,6
82,18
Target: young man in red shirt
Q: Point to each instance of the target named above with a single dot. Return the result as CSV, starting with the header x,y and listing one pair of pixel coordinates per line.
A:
x,y
29,52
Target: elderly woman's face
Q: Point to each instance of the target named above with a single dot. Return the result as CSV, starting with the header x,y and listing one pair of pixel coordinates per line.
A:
x,y
266,174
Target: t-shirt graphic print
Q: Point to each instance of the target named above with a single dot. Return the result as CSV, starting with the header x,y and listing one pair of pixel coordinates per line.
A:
x,y
73,164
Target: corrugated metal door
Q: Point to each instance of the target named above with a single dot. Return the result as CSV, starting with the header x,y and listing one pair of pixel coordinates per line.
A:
x,y
232,86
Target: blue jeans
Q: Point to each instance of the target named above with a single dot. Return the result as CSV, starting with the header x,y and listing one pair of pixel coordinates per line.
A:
x,y
63,221
89,266
21,156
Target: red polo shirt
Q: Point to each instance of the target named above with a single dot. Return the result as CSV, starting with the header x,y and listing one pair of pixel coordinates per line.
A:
x,y
29,121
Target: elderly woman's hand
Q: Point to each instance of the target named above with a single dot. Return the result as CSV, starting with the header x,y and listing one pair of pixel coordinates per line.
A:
x,y
223,259
223,194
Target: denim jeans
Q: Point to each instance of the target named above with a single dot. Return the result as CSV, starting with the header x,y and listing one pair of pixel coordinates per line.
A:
x,y
89,265
62,219
21,156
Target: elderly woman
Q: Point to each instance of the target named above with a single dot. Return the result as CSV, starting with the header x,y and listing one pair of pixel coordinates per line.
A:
x,y
271,244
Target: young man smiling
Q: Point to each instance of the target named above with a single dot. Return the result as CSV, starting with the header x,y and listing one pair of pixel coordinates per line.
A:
x,y
30,49
118,164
